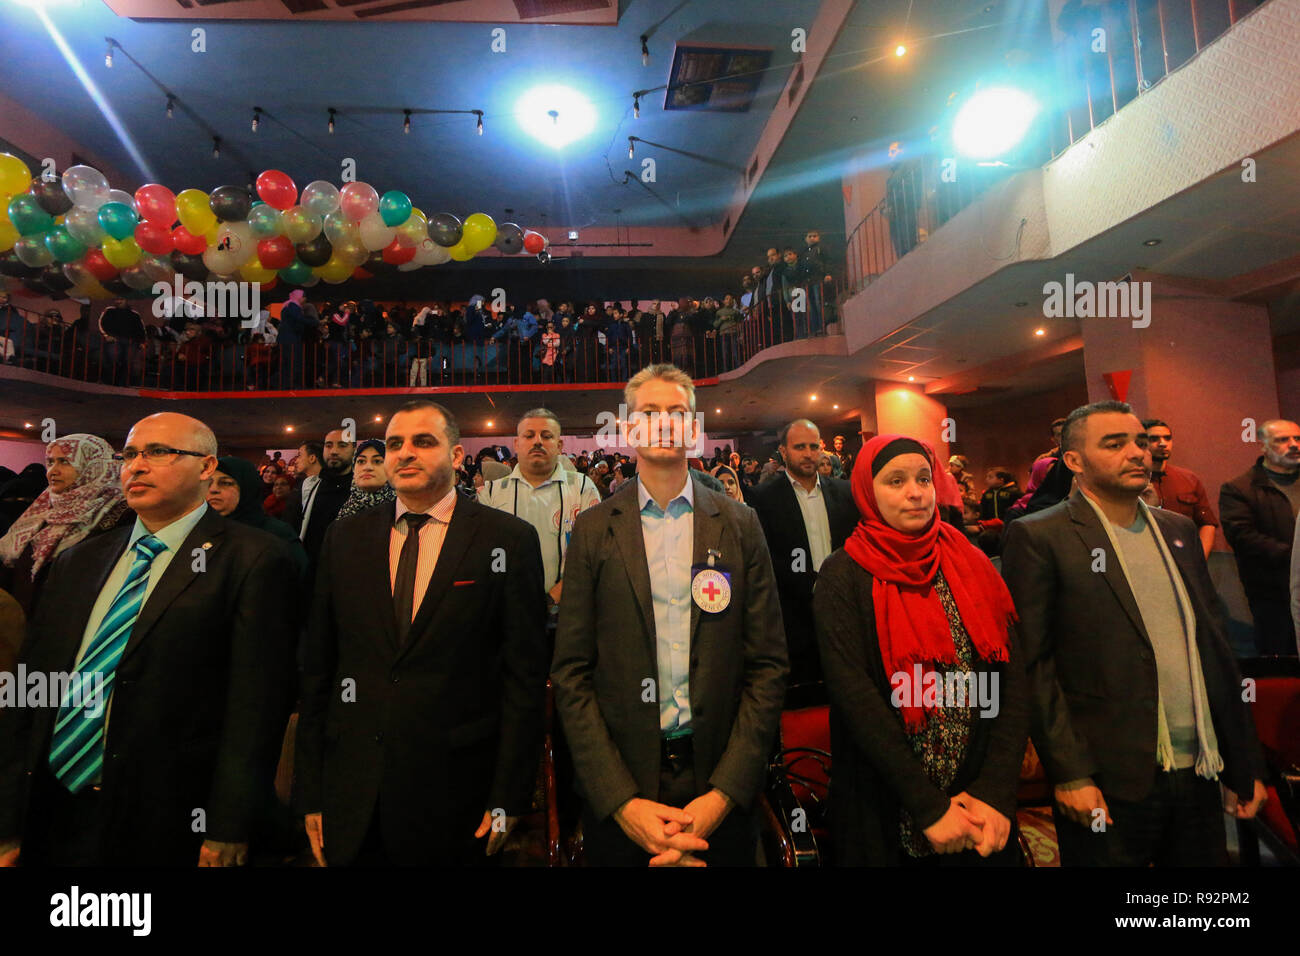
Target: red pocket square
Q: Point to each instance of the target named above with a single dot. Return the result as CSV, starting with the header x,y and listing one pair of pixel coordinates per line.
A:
x,y
460,584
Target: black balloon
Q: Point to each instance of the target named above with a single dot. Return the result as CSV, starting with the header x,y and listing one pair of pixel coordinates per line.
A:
x,y
191,267
230,203
118,287
315,253
52,277
377,265
445,229
510,239
51,197
11,265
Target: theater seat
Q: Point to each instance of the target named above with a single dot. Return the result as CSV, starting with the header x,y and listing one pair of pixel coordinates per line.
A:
x,y
794,815
1277,721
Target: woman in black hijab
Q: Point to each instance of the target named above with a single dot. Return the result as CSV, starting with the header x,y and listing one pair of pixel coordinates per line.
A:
x,y
370,485
236,493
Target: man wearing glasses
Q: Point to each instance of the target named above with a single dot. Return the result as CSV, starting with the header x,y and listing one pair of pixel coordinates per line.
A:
x,y
173,639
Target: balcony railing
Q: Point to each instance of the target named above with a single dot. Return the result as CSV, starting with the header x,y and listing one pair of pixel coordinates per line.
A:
x,y
233,365
1142,42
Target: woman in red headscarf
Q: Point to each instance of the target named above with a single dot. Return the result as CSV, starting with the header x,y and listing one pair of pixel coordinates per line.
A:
x,y
928,701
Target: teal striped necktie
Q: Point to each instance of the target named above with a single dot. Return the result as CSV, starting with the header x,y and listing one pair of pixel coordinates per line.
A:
x,y
77,747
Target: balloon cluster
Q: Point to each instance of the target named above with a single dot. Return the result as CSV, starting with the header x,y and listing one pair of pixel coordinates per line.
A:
x,y
77,235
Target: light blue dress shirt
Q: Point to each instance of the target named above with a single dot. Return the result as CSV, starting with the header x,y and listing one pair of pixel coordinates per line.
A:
x,y
669,545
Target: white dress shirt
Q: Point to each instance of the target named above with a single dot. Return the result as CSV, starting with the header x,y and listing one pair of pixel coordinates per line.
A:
x,y
812,504
669,539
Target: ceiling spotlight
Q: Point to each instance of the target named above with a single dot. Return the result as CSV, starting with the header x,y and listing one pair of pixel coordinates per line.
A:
x,y
288,428
900,50
835,408
379,418
645,50
108,54
257,117
27,424
406,123
812,398
489,425
171,104
717,411
911,378
330,126
636,107
216,147
631,150
480,122
1040,331
1151,242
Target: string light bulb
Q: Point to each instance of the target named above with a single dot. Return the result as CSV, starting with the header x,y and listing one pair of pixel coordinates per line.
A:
x,y
108,54
216,147
631,150
171,104
330,125
257,117
406,123
636,107
645,50
479,125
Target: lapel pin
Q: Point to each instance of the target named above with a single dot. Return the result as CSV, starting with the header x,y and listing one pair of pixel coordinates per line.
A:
x,y
1178,542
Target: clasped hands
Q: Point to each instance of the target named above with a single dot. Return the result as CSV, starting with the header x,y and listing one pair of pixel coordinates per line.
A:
x,y
671,836
969,824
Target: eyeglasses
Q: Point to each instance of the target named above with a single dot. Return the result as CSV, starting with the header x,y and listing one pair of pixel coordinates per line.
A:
x,y
155,455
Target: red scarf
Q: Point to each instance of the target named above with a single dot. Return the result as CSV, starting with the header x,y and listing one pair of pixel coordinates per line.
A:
x,y
911,625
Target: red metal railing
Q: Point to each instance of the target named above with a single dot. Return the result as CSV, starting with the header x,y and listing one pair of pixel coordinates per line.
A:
x,y
206,364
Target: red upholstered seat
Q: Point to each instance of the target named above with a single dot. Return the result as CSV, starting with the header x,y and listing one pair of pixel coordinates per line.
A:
x,y
1277,720
806,743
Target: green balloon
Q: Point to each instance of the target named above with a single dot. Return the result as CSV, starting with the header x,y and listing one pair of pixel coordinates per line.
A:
x,y
297,274
63,246
395,207
117,219
265,222
28,217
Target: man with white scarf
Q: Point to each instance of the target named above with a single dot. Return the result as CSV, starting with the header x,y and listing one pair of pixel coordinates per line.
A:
x,y
1137,703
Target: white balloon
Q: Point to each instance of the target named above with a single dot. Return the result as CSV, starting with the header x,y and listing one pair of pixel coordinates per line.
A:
x,y
409,266
85,186
237,239
124,197
83,225
429,253
374,234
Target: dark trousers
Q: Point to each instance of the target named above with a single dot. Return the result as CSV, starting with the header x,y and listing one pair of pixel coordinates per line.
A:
x,y
462,847
1180,823
1274,630
64,829
734,843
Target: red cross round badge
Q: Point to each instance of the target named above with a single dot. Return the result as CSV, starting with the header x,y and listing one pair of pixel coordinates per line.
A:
x,y
711,590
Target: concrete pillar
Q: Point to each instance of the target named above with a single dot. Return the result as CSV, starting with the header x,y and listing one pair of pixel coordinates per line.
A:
x,y
907,410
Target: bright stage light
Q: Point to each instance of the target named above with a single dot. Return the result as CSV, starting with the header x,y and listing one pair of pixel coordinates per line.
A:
x,y
556,115
992,122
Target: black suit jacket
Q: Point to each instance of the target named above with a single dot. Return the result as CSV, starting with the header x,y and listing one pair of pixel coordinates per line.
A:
x,y
787,538
443,728
1092,670
199,702
605,649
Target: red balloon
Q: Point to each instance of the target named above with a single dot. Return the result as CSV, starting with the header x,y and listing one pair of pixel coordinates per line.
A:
x,y
154,237
277,189
360,273
98,266
276,254
189,243
398,254
157,204
534,242
267,286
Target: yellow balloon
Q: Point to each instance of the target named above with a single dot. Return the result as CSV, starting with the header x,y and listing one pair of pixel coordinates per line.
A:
x,y
334,271
8,236
4,206
478,232
15,177
253,271
211,234
121,253
459,253
416,228
193,211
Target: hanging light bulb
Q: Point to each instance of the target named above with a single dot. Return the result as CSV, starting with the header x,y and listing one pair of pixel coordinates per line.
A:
x,y
631,150
216,147
171,103
257,117
406,123
331,122
636,107
480,121
645,51
108,55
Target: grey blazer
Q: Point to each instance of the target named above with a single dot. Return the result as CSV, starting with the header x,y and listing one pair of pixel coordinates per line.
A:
x,y
605,650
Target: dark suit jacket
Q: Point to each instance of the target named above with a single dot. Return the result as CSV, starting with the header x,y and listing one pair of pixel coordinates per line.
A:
x,y
443,728
200,699
778,511
1260,526
605,648
1092,670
